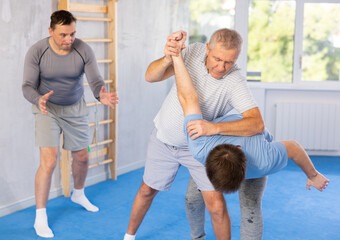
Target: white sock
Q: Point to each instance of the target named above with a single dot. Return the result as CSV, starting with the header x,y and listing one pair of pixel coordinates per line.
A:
x,y
129,237
78,196
41,224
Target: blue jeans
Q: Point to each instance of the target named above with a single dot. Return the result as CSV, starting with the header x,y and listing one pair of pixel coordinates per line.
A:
x,y
250,195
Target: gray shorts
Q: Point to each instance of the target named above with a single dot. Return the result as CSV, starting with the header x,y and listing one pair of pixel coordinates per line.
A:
x,y
72,120
163,162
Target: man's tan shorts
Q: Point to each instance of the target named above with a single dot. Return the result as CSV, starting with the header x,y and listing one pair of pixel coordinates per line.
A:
x,y
71,120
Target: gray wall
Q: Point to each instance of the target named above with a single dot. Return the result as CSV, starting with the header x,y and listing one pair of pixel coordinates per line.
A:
x,y
21,24
142,28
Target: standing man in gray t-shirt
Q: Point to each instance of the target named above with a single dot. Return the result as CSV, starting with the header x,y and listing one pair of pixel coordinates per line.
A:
x,y
221,88
53,83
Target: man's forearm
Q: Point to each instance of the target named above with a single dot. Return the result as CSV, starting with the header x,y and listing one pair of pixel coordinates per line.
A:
x,y
185,87
245,127
159,70
186,91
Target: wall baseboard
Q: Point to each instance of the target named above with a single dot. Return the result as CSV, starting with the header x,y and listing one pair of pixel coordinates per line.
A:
x,y
130,167
30,201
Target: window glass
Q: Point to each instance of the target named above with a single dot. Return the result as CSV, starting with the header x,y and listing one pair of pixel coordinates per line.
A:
x,y
321,42
271,40
208,16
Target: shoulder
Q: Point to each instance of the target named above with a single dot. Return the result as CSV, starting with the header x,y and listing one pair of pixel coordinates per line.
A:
x,y
83,49
198,46
194,50
80,44
235,75
38,49
39,46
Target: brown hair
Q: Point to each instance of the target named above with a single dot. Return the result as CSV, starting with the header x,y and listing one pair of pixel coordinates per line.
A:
x,y
226,167
61,17
230,39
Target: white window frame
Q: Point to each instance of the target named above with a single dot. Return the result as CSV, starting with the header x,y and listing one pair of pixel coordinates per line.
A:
x,y
241,25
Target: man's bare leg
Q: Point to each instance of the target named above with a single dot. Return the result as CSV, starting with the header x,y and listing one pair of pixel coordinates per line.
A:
x,y
48,160
79,171
140,207
219,214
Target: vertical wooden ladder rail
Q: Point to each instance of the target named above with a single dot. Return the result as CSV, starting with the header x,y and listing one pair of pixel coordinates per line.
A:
x,y
110,10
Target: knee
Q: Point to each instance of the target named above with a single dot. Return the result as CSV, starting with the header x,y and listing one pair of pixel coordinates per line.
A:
x,y
217,209
48,164
193,196
194,202
81,157
249,200
251,192
250,203
146,192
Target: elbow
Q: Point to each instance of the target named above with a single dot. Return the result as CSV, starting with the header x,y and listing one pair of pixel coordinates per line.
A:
x,y
261,127
151,78
181,98
24,90
258,129
187,98
148,77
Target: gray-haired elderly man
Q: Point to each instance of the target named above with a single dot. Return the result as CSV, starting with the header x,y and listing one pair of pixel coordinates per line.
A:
x,y
221,88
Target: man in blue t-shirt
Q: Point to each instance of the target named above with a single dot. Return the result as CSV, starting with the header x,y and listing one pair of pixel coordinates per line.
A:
x,y
229,159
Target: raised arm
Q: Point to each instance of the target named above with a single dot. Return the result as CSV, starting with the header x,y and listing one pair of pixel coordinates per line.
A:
x,y
186,91
159,70
162,68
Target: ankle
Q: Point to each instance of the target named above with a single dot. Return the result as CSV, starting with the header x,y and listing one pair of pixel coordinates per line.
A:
x,y
40,216
129,237
78,192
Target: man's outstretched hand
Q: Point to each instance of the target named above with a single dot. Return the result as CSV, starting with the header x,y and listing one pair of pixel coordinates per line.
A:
x,y
108,98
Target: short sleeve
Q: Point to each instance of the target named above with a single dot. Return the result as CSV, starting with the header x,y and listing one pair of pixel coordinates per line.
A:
x,y
197,146
241,97
267,135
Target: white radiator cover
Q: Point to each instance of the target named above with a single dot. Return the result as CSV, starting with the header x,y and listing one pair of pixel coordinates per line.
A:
x,y
316,126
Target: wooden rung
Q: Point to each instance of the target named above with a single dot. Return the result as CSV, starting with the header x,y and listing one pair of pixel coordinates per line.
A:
x,y
105,81
100,163
82,7
96,39
98,153
106,161
94,19
101,122
91,104
101,143
104,61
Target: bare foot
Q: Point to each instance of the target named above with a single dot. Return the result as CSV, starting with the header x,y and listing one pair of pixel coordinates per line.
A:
x,y
318,181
